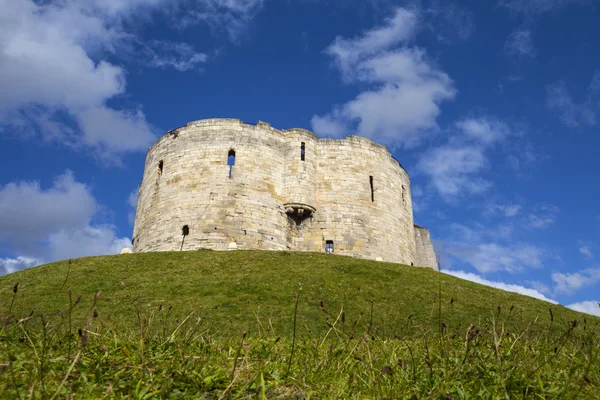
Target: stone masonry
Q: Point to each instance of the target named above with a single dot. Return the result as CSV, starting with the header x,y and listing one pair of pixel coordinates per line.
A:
x,y
286,190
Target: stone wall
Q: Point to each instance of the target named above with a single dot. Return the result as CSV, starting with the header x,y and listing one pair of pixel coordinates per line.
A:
x,y
274,200
425,255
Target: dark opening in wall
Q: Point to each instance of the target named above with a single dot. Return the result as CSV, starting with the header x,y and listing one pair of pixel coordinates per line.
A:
x,y
185,230
302,151
403,195
160,167
372,191
231,161
329,246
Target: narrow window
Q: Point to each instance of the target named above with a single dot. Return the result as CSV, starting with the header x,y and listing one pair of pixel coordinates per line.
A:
x,y
231,161
329,246
372,191
160,167
403,195
302,151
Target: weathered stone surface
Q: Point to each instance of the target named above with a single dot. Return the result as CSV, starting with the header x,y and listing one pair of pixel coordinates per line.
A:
x,y
425,255
274,200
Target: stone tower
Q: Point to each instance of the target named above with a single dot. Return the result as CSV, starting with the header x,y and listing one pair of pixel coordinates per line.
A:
x,y
222,184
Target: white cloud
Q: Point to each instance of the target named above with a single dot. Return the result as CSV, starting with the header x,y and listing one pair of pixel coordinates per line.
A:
x,y
86,241
29,213
499,285
44,62
588,307
454,168
490,249
180,56
451,169
542,217
10,265
585,250
406,88
540,222
573,113
53,61
485,130
519,44
570,282
43,225
492,257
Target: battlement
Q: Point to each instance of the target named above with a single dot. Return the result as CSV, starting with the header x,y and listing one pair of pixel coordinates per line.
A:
x,y
222,183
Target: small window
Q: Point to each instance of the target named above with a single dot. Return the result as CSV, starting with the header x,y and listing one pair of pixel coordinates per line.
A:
x,y
329,246
403,195
231,161
372,191
160,167
302,151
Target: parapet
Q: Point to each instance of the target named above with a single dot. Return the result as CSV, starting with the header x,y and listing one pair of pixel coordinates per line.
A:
x,y
235,122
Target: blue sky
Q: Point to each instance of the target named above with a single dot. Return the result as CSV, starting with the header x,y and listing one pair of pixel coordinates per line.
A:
x,y
492,107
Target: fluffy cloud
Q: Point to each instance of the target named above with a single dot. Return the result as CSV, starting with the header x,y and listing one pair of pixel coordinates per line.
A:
x,y
454,168
56,78
519,44
10,265
490,249
86,241
45,63
29,213
451,167
499,285
571,282
43,225
588,307
406,87
573,113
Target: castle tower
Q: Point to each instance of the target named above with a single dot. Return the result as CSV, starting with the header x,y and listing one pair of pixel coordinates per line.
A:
x,y
222,184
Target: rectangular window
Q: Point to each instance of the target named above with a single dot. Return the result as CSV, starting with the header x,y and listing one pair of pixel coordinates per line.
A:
x,y
231,161
329,246
302,151
372,191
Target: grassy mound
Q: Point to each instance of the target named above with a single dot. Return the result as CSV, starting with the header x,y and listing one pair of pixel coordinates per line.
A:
x,y
254,290
282,325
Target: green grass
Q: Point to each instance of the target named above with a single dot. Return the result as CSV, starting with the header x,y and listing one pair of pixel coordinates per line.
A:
x,y
256,324
229,289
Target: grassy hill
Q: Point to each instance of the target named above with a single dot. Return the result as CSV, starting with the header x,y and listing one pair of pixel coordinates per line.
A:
x,y
243,290
256,324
